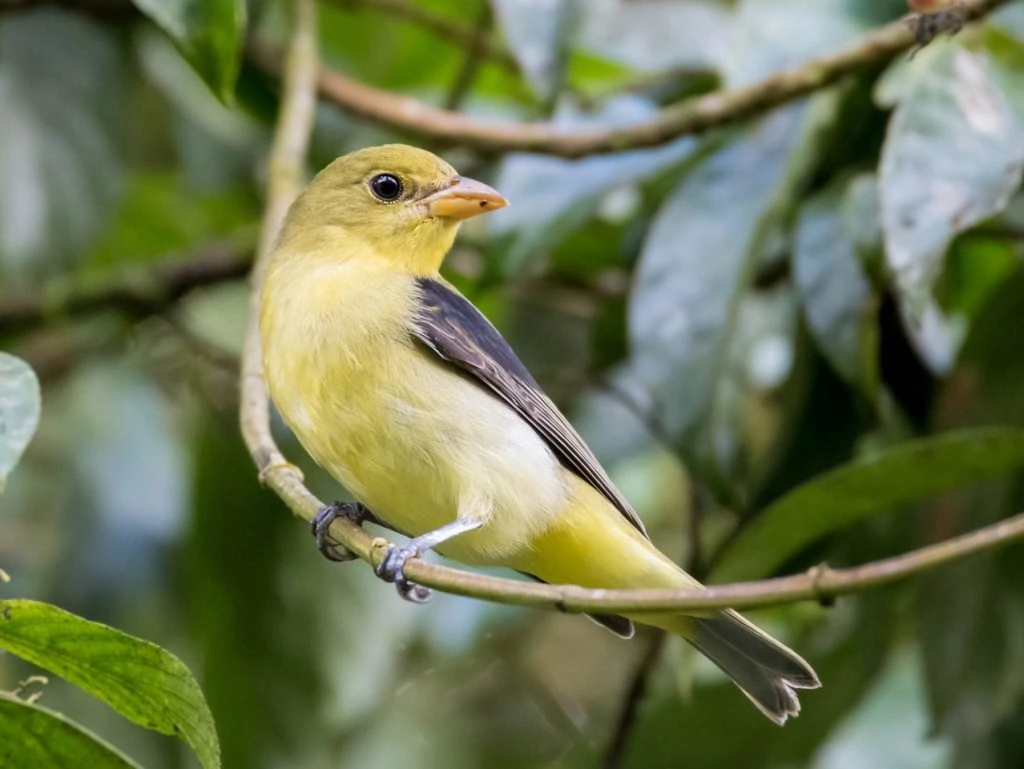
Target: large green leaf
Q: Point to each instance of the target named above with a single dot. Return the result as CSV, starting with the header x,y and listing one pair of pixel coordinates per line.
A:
x,y
865,487
19,411
32,736
695,266
952,157
141,681
60,102
209,33
836,295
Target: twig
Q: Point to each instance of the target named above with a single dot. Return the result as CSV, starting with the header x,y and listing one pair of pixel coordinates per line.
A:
x,y
464,37
616,750
138,292
285,166
688,117
474,58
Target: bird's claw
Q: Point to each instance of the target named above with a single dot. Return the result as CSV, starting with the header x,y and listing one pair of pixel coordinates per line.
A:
x,y
320,526
392,569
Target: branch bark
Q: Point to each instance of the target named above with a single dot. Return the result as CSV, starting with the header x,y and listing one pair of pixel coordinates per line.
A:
x,y
692,116
138,292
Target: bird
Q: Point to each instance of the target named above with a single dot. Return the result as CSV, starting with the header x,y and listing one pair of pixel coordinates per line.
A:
x,y
404,392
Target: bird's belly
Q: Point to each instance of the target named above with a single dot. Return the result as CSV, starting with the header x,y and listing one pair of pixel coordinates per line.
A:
x,y
420,444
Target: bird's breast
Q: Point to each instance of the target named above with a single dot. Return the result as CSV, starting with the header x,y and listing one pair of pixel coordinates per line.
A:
x,y
415,440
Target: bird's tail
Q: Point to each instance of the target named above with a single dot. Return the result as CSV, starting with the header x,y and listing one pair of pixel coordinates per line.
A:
x,y
764,670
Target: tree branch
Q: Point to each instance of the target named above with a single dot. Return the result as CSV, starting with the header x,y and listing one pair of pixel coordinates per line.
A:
x,y
138,292
688,117
821,583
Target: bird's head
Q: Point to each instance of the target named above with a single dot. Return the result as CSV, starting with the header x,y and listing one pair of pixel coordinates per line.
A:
x,y
392,202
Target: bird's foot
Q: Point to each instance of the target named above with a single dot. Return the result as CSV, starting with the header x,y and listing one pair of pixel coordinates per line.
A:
x,y
928,26
320,526
392,569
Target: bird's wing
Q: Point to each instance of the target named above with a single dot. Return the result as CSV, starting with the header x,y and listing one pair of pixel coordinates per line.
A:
x,y
454,329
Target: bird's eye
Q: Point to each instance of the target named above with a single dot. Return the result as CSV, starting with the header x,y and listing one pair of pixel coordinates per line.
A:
x,y
386,187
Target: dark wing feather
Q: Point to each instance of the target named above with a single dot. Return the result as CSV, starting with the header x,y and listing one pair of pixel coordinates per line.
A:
x,y
454,329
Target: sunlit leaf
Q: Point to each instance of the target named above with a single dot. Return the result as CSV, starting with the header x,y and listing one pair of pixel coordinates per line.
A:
x,y
143,682
31,735
953,155
209,33
866,487
837,297
60,99
20,403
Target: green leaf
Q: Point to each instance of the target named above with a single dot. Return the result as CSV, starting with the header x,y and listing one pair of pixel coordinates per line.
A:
x,y
695,266
20,403
60,105
837,298
865,487
952,157
34,736
143,682
209,33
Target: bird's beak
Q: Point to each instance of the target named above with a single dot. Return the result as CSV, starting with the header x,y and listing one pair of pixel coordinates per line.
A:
x,y
464,198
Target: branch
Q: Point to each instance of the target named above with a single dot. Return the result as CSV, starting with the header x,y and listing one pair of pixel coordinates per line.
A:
x,y
820,583
688,117
285,171
137,292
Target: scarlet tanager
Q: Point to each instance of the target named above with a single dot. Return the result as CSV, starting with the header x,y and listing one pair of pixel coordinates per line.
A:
x,y
402,390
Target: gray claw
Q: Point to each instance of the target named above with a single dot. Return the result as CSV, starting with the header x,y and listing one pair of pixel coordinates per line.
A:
x,y
392,569
321,523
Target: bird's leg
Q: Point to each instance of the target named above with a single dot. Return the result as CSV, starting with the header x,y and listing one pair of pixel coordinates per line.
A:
x,y
392,568
319,526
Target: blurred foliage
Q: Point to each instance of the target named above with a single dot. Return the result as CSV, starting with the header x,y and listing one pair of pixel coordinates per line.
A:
x,y
791,340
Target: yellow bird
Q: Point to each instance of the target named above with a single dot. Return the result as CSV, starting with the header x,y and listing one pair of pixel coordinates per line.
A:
x,y
402,390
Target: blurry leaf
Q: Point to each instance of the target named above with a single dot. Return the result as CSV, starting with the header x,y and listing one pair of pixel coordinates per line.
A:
x,y
889,729
652,36
837,298
34,736
953,155
539,33
551,197
716,728
685,302
209,33
865,487
143,682
768,37
20,404
60,99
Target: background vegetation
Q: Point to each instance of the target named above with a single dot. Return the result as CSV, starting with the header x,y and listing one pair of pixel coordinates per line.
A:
x,y
830,284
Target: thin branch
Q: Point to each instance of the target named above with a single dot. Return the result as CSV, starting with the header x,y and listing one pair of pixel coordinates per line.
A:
x,y
688,117
443,27
475,54
138,292
820,583
285,165
626,720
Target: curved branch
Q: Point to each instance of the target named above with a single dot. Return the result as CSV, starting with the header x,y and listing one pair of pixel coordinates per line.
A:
x,y
688,117
137,292
821,583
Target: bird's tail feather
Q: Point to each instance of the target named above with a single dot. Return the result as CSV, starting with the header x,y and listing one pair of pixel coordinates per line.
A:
x,y
765,670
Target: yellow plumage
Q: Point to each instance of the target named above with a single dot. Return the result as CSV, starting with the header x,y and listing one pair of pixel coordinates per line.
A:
x,y
397,387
